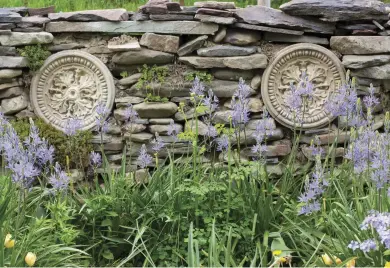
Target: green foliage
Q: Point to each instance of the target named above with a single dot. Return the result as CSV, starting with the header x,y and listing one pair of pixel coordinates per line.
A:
x,y
36,56
150,75
70,152
124,74
204,77
152,98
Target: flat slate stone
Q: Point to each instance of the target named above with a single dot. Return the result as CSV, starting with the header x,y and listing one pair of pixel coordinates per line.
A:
x,y
286,38
14,105
42,11
256,61
226,51
192,45
359,62
165,27
220,35
19,39
215,19
232,74
215,12
61,47
215,5
171,17
130,46
375,72
131,80
225,89
9,73
7,16
7,26
92,15
361,26
337,10
33,20
13,62
267,29
165,43
5,32
155,110
260,15
20,10
28,30
138,16
360,44
241,37
144,56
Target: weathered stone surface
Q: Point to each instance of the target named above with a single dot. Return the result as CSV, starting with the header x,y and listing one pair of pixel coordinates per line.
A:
x,y
32,21
226,51
13,83
363,81
368,32
144,56
143,137
25,114
248,136
9,73
155,7
12,62
5,32
325,139
225,89
222,117
7,26
165,90
241,37
220,35
92,15
41,11
164,27
130,80
189,114
173,6
360,44
272,17
165,43
286,38
161,121
164,129
215,5
19,39
256,61
61,47
129,46
155,110
255,104
8,16
337,10
375,72
256,82
192,45
359,62
215,19
142,176
357,26
14,105
215,12
232,74
275,149
253,123
193,125
171,17
267,29
132,128
28,30
125,101
11,92
138,16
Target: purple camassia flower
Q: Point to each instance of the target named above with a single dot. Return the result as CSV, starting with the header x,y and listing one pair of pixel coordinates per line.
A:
x,y
223,143
197,88
211,131
144,158
173,130
211,101
102,113
39,151
240,104
158,144
354,245
368,245
131,115
58,179
370,100
95,159
343,101
264,128
72,126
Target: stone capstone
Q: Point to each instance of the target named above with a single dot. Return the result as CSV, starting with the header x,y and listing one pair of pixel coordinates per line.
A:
x,y
144,56
156,109
162,27
359,62
192,45
241,37
92,15
20,39
215,5
360,44
13,62
165,43
260,15
255,61
337,10
226,51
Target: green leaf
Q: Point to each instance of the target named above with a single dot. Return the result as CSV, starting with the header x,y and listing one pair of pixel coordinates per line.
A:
x,y
106,222
108,255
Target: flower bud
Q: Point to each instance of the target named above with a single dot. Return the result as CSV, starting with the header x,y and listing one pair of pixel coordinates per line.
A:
x,y
387,264
326,259
30,259
351,264
276,252
9,242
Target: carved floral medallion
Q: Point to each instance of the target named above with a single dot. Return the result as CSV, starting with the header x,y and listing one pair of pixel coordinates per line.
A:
x,y
71,84
322,68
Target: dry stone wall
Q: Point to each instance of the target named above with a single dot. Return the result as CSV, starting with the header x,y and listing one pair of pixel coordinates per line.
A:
x,y
98,56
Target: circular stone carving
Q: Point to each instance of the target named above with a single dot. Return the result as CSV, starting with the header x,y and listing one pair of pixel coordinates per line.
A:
x,y
323,69
71,84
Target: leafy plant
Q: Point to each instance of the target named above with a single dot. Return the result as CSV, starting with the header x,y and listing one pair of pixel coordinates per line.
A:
x,y
152,98
124,74
36,56
203,76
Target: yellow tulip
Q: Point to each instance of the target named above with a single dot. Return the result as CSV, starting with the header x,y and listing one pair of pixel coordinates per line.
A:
x,y
351,264
8,242
282,260
326,259
338,261
276,252
387,264
30,259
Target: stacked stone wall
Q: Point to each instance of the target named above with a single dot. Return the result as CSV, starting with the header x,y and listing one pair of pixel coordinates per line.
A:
x,y
98,57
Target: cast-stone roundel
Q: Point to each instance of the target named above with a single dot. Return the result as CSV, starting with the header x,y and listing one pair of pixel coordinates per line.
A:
x,y
70,85
322,68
